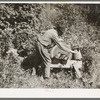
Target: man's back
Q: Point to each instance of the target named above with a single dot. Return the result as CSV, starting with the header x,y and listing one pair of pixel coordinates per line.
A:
x,y
46,38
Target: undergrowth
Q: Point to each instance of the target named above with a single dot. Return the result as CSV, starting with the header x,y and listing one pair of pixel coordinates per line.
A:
x,y
19,25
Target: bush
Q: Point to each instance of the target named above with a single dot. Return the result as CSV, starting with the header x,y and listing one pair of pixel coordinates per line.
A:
x,y
20,23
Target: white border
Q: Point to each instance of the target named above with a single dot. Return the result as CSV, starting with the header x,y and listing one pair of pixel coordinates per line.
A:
x,y
50,93
54,2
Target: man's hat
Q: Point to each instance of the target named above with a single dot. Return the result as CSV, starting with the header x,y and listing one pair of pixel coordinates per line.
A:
x,y
60,28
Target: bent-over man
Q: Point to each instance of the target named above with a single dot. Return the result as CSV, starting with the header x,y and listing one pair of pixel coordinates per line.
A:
x,y
47,41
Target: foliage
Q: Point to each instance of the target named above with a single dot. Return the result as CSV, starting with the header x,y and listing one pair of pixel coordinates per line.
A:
x,y
19,25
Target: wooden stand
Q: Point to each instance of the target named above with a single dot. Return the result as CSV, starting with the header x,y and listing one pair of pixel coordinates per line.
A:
x,y
70,63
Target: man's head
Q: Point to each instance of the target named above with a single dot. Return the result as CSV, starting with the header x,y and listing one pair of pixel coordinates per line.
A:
x,y
60,29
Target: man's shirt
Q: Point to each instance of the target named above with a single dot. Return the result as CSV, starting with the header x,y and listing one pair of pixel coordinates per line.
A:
x,y
49,37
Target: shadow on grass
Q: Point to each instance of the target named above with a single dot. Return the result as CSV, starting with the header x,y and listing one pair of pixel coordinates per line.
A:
x,y
31,63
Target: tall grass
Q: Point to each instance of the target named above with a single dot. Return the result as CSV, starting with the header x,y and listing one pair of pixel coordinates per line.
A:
x,y
19,24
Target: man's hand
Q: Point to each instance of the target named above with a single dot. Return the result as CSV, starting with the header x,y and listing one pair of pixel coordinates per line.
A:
x,y
73,51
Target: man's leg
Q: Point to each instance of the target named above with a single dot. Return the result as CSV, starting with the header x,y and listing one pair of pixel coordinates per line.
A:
x,y
46,60
47,71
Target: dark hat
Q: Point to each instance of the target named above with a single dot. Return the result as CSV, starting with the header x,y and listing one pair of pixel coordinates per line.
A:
x,y
60,28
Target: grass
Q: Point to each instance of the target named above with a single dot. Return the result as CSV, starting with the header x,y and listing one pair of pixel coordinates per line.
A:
x,y
14,77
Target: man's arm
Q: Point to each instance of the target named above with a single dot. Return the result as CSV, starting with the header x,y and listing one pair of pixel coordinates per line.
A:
x,y
55,38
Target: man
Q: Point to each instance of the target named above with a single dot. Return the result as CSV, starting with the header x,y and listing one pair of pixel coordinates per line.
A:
x,y
45,42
